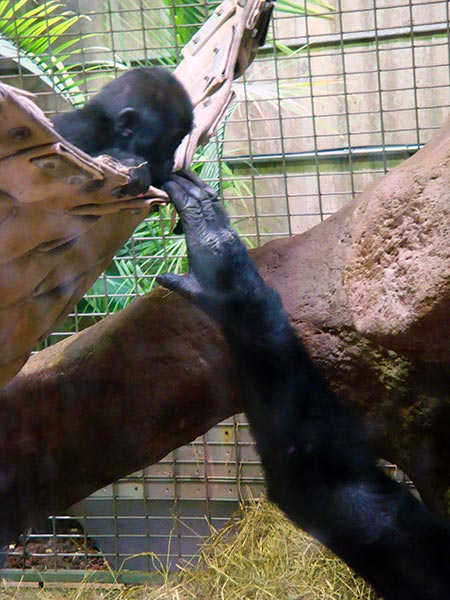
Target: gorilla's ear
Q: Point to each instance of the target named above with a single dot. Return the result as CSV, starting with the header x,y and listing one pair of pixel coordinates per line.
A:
x,y
127,120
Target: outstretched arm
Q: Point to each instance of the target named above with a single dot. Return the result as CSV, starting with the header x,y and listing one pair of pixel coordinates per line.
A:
x,y
318,467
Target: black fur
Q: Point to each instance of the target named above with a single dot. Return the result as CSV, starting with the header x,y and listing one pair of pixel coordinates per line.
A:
x,y
140,117
318,466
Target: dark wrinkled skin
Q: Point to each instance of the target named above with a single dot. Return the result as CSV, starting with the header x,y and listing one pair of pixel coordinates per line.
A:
x,y
139,118
318,467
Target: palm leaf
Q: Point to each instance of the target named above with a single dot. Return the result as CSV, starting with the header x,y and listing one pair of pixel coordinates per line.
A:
x,y
31,40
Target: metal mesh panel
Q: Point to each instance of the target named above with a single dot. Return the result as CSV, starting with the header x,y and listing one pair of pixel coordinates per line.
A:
x,y
329,105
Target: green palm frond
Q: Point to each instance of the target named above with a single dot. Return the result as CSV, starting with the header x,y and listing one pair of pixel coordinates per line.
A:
x,y
30,38
35,38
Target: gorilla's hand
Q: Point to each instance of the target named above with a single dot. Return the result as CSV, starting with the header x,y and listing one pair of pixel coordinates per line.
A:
x,y
221,278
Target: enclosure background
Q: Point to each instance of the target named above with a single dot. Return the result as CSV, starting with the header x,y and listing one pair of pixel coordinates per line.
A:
x,y
329,106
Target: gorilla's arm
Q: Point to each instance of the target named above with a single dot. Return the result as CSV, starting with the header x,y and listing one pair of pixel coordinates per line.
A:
x,y
318,467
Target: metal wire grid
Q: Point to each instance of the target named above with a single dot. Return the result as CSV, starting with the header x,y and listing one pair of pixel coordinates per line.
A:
x,y
357,93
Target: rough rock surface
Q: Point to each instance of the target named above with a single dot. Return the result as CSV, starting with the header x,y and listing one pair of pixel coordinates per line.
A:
x,y
398,273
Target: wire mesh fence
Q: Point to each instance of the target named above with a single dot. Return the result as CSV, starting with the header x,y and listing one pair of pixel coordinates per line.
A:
x,y
338,95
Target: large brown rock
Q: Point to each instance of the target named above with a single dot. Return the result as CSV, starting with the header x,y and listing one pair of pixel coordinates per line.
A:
x,y
398,273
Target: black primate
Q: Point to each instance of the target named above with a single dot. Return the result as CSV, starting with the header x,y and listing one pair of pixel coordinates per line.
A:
x,y
318,467
140,117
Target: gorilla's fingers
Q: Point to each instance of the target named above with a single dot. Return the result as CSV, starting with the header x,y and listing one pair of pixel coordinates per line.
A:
x,y
194,206
196,180
187,206
222,219
210,205
185,285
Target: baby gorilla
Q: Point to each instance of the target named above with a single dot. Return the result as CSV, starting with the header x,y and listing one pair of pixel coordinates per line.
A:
x,y
139,118
318,466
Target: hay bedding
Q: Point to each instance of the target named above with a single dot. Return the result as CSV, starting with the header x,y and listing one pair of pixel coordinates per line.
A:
x,y
263,556
259,556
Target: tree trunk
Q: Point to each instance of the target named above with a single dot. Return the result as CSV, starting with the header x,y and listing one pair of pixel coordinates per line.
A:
x,y
369,292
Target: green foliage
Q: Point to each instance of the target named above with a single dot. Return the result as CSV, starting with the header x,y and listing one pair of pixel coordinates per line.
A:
x,y
189,17
32,37
132,273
